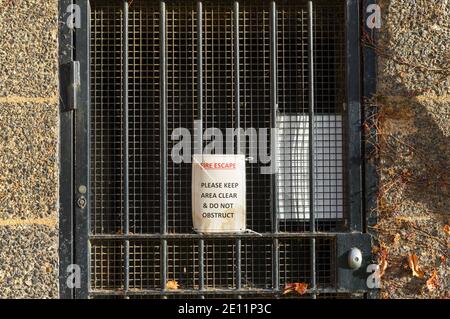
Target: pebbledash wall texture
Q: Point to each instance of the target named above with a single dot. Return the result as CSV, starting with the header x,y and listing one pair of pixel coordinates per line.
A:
x,y
412,151
412,147
28,149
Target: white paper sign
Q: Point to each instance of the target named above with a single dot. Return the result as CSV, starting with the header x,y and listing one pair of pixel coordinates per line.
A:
x,y
218,193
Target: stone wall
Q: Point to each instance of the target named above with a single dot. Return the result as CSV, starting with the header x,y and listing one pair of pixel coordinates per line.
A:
x,y
28,149
414,152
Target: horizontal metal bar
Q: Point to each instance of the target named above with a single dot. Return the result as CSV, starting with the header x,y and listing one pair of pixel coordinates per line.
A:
x,y
155,292
213,236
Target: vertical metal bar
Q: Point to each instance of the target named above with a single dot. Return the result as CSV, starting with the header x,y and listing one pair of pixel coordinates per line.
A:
x,y
237,105
273,101
238,264
82,150
200,71
125,124
201,261
273,124
312,177
201,243
164,139
66,189
237,120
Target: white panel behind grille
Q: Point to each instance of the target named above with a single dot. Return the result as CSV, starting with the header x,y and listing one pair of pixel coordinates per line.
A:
x,y
293,161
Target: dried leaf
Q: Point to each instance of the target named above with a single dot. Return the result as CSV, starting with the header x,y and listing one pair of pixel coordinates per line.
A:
x,y
413,263
366,128
383,261
299,287
391,172
172,285
397,238
443,259
433,281
447,229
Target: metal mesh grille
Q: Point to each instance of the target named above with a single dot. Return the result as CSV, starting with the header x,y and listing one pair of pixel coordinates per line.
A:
x,y
182,105
329,89
254,44
219,264
107,265
144,127
257,264
293,117
218,64
295,261
182,256
145,264
106,119
183,263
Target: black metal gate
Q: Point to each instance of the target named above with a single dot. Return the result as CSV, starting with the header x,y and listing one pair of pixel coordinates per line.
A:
x,y
149,67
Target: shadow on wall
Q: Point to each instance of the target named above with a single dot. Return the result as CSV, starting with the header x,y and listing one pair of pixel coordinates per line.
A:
x,y
414,192
413,147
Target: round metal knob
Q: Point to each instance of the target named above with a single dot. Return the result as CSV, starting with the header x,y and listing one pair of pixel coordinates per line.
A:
x,y
354,258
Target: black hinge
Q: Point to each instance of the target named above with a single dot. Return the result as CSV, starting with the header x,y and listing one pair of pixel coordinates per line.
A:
x,y
353,279
70,80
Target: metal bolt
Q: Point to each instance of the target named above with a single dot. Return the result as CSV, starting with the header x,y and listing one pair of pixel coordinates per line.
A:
x,y
82,189
355,258
81,202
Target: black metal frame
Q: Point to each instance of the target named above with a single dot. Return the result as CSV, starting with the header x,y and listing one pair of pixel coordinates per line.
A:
x,y
66,222
74,141
74,136
81,150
